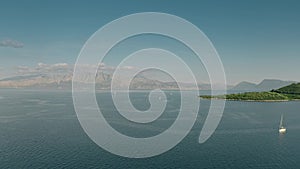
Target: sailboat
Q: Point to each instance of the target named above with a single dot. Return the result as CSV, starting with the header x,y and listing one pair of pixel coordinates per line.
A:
x,y
282,129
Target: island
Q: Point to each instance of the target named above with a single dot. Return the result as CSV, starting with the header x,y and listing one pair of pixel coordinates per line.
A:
x,y
287,93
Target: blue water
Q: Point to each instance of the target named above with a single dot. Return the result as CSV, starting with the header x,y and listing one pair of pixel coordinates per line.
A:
x,y
39,129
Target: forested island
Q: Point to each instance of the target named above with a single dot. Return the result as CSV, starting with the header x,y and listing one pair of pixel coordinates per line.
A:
x,y
287,93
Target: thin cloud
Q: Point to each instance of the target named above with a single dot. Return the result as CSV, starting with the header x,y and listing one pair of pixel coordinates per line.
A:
x,y
42,68
11,43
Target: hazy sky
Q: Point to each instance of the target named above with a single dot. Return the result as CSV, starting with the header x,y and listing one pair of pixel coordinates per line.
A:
x,y
255,39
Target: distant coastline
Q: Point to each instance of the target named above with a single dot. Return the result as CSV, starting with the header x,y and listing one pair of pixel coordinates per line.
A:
x,y
284,94
250,100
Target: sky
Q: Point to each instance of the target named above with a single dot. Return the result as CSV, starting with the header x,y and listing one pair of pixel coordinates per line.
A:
x,y
255,39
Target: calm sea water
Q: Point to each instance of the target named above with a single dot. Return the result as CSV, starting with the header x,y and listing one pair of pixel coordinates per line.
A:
x,y
40,130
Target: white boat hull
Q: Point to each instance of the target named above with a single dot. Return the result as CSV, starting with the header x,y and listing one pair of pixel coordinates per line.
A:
x,y
282,130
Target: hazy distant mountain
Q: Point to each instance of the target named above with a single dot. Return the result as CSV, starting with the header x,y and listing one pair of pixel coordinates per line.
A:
x,y
103,82
61,78
245,86
269,84
64,81
265,85
37,81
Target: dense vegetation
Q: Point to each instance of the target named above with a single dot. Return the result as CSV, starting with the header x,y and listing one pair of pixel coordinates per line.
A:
x,y
291,89
291,92
250,96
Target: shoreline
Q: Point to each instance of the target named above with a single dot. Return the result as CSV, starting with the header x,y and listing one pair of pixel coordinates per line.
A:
x,y
251,100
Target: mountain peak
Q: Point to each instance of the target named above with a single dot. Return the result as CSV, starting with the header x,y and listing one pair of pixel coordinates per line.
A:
x,y
264,85
269,84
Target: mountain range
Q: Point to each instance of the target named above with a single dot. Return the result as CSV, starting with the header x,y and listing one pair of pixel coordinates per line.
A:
x,y
103,82
265,85
63,80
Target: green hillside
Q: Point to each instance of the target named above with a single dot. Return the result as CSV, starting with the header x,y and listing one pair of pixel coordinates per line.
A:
x,y
290,92
291,89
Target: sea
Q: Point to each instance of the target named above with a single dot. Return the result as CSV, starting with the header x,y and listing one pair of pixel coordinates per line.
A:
x,y
40,129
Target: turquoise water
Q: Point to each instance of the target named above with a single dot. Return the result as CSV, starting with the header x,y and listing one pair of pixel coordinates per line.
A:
x,y
40,130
